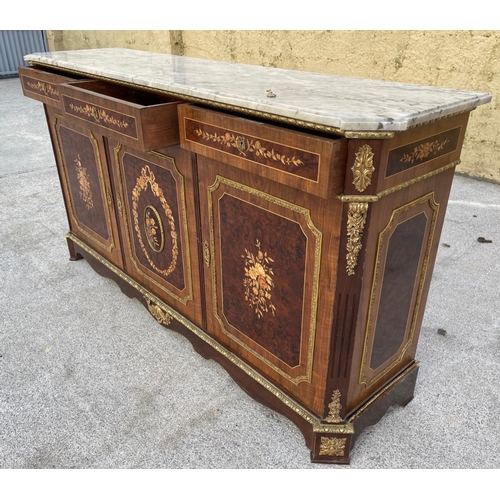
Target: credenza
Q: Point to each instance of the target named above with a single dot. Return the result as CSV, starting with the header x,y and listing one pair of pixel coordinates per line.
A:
x,y
285,222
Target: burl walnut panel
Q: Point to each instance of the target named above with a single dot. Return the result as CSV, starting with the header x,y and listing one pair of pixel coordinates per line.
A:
x,y
262,259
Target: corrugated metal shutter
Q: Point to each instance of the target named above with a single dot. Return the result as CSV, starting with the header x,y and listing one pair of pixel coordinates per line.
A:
x,y
15,44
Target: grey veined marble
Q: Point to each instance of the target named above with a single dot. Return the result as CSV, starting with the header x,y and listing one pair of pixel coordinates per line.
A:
x,y
346,103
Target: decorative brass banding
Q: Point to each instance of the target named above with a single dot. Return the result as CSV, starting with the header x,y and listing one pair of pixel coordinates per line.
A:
x,y
335,409
363,168
163,317
356,219
352,134
334,447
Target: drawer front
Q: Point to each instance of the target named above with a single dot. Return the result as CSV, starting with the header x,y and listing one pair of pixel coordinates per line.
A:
x,y
299,160
42,86
135,118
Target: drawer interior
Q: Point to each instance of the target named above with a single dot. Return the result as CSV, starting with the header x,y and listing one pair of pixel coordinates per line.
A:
x,y
121,93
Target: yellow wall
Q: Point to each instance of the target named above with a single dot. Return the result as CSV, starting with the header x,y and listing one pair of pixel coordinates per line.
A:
x,y
459,59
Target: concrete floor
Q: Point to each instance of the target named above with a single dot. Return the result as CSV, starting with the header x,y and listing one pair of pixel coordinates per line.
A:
x,y
89,380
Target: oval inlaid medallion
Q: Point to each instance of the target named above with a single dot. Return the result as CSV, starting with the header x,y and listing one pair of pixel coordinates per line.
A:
x,y
144,182
153,228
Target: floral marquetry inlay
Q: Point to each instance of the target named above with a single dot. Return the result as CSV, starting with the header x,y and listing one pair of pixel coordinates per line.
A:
x,y
244,145
84,183
98,114
43,88
423,151
258,281
154,229
363,168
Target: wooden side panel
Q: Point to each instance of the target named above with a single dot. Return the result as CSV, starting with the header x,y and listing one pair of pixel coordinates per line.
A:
x,y
400,249
81,160
271,273
158,224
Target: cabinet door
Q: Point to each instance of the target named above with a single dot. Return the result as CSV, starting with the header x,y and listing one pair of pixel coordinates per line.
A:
x,y
268,298
85,180
155,197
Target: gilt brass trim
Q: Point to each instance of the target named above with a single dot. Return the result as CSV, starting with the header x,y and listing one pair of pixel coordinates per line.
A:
x,y
434,120
356,219
159,314
206,253
333,447
363,168
335,408
317,425
353,134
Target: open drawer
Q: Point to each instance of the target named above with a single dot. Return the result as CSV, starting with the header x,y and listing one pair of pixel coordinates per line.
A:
x,y
136,118
303,161
42,86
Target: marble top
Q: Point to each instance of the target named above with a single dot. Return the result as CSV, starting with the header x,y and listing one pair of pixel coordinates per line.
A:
x,y
346,103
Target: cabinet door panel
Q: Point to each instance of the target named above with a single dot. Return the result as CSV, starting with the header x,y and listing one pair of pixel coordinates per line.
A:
x,y
159,224
266,298
86,186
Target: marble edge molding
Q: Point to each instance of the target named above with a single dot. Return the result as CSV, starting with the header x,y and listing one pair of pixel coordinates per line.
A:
x,y
347,120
